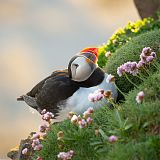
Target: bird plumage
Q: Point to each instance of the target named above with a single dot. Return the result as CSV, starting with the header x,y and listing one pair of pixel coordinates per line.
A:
x,y
67,90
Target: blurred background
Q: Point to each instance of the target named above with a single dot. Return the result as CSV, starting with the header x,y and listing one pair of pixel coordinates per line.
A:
x,y
38,37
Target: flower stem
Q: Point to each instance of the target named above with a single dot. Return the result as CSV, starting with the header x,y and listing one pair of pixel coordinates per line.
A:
x,y
130,81
119,90
140,78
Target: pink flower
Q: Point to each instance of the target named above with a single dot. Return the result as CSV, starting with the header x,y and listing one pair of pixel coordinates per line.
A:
x,y
47,116
146,51
38,147
39,158
128,67
147,55
113,139
108,54
153,54
91,97
140,64
25,151
110,78
90,110
89,120
66,155
140,97
149,58
120,70
35,142
36,136
96,95
43,111
74,119
43,128
86,114
82,123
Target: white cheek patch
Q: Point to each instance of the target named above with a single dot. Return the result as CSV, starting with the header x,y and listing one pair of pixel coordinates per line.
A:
x,y
83,71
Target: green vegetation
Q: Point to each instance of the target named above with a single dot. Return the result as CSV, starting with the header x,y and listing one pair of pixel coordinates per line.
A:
x,y
137,125
124,35
131,52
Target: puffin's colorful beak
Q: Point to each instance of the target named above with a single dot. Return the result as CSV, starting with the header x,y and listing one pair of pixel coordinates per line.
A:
x,y
92,50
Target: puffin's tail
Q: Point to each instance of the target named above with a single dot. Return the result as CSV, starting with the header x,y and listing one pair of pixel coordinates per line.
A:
x,y
20,98
31,101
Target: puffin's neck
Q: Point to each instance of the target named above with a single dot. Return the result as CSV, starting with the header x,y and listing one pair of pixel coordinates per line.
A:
x,y
95,79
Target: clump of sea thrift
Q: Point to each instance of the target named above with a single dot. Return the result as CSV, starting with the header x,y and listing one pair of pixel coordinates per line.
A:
x,y
96,95
66,155
43,128
128,67
140,97
47,116
85,121
146,57
37,137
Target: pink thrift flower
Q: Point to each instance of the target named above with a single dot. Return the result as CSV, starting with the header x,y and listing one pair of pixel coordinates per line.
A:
x,y
47,116
74,119
90,110
86,114
39,158
82,123
113,139
140,97
110,78
108,54
25,151
91,97
36,136
146,51
35,142
96,96
66,155
120,70
149,58
43,128
153,54
38,147
140,64
89,120
43,111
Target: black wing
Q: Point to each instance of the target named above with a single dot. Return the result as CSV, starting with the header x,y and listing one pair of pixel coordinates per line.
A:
x,y
53,90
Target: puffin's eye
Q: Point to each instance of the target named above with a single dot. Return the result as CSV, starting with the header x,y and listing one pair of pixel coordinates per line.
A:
x,y
88,60
76,65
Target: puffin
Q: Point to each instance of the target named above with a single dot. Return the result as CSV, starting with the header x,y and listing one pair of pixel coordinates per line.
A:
x,y
67,90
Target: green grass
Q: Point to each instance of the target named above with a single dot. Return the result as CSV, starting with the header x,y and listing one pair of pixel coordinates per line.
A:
x,y
142,140
82,141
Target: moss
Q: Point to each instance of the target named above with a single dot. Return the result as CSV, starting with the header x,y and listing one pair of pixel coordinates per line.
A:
x,y
131,52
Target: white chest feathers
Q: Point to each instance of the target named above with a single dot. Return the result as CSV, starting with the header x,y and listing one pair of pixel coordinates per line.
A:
x,y
79,102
